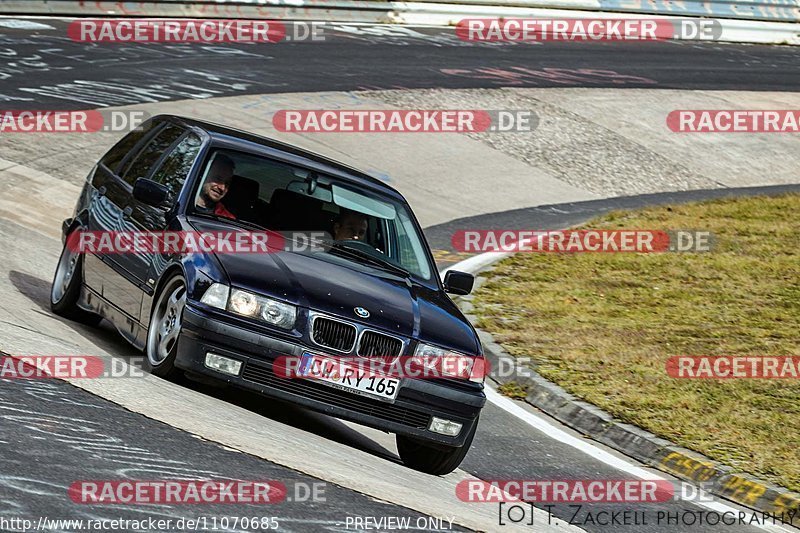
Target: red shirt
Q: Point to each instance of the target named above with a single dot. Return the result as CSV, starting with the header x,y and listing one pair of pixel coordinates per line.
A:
x,y
221,211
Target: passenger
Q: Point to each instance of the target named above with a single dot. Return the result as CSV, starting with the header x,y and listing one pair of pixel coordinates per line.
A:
x,y
216,186
350,225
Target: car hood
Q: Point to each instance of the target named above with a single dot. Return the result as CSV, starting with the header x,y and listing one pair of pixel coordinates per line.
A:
x,y
395,305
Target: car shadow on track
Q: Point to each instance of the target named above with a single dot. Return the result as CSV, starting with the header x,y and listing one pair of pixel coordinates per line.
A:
x,y
103,335
106,337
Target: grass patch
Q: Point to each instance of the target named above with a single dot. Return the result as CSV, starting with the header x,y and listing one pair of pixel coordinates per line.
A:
x,y
603,325
513,390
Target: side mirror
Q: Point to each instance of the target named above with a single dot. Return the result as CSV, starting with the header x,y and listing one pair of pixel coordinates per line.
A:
x,y
459,283
151,193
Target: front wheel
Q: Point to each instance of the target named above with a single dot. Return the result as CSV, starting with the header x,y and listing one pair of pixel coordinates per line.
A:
x,y
66,288
437,460
165,328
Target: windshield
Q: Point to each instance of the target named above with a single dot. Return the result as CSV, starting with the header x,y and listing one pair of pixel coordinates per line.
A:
x,y
362,226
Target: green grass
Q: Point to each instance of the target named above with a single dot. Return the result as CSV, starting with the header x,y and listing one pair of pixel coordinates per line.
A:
x,y
513,390
603,325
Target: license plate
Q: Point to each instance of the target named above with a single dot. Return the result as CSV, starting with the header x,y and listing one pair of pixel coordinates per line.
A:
x,y
348,377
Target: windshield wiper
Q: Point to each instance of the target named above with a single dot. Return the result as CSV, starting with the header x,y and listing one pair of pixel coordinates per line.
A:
x,y
375,261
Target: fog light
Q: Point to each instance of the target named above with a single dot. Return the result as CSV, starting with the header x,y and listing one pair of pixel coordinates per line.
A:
x,y
226,365
445,427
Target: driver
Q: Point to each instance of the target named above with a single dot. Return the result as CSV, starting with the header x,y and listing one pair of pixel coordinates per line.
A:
x,y
350,225
216,186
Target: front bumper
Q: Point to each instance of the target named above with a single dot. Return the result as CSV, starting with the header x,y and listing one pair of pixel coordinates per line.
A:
x,y
410,414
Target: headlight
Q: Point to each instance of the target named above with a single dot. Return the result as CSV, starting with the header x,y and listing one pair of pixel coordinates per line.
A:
x,y
270,311
450,364
243,303
247,304
216,296
278,313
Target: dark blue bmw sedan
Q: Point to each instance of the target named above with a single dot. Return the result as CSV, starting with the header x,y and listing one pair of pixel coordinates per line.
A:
x,y
354,281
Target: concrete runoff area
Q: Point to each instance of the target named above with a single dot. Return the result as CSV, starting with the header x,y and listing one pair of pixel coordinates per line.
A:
x,y
589,144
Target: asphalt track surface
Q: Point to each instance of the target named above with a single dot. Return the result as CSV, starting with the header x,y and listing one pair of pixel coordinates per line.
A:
x,y
46,68
54,435
45,425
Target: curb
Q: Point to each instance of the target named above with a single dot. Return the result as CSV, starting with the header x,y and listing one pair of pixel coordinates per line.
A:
x,y
645,447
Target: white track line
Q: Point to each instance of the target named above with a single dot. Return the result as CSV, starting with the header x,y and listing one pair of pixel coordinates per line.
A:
x,y
588,448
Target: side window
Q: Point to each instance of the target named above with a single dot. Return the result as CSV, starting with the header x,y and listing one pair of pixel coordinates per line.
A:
x,y
375,233
117,154
406,251
176,166
143,164
411,251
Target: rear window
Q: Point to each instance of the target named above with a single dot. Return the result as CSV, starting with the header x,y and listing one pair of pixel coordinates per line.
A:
x,y
176,167
142,165
114,158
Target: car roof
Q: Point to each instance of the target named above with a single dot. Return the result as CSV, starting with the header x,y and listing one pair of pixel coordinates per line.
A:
x,y
261,145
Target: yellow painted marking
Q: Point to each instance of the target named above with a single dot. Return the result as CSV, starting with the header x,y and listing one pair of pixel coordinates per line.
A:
x,y
682,465
743,490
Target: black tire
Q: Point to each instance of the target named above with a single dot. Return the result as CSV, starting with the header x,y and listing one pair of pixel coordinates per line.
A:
x,y
164,329
66,289
437,460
